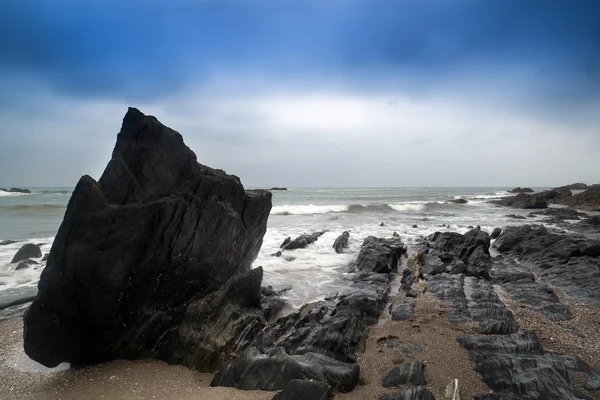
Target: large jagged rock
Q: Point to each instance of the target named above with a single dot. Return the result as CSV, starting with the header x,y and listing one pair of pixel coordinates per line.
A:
x,y
301,241
341,242
153,260
380,255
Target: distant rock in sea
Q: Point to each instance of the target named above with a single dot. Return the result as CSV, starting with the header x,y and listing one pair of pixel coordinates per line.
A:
x,y
521,190
152,260
16,190
278,188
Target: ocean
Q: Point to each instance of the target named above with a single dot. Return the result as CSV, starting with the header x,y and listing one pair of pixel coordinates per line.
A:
x,y
310,273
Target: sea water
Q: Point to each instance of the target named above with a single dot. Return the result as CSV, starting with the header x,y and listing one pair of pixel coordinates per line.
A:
x,y
310,273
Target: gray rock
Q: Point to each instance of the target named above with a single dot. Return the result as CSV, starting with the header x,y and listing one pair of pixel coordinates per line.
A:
x,y
28,250
406,373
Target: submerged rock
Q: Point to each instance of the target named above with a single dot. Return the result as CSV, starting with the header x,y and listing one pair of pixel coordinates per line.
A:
x,y
301,241
341,242
7,242
26,251
150,258
25,264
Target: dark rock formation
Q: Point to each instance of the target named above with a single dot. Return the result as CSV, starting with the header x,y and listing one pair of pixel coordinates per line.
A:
x,y
514,216
415,393
341,242
559,214
16,190
25,264
588,200
402,311
567,261
7,242
275,370
28,250
457,201
150,258
521,190
522,200
305,390
327,332
516,367
301,241
406,373
278,188
496,233
573,186
45,258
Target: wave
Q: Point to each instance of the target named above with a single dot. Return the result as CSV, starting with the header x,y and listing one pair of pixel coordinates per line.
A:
x,y
12,194
351,208
55,191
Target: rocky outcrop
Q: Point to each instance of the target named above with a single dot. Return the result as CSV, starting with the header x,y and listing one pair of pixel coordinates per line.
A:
x,y
341,242
558,214
567,261
588,200
320,341
516,367
521,190
522,200
573,186
301,241
153,260
496,233
26,251
16,190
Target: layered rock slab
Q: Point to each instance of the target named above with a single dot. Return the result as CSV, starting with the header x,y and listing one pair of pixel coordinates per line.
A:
x,y
139,251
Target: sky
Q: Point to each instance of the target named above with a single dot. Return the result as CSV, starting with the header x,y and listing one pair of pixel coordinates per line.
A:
x,y
308,93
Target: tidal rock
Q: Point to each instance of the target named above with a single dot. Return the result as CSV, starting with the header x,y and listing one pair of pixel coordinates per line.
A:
x,y
7,242
561,259
516,367
521,190
380,255
458,201
341,242
559,214
496,233
407,373
16,190
28,250
522,200
278,188
414,393
402,311
572,186
25,264
159,246
514,216
305,390
275,370
474,298
588,200
301,241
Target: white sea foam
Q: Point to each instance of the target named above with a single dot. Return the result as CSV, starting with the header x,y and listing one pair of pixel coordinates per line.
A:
x,y
408,206
10,277
12,194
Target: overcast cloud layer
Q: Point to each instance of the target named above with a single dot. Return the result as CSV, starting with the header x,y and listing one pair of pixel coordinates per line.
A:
x,y
308,93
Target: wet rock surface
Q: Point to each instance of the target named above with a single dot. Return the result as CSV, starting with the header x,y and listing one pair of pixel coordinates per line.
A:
x,y
412,373
159,245
516,367
301,241
26,251
341,242
416,393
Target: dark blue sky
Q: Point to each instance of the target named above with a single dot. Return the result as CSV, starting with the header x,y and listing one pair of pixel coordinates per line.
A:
x,y
533,55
